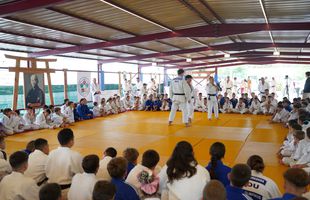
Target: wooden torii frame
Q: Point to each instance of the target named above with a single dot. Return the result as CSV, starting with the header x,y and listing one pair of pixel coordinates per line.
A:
x,y
31,68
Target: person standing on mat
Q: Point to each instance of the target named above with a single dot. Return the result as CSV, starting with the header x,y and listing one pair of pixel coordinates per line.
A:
x,y
180,94
212,99
190,106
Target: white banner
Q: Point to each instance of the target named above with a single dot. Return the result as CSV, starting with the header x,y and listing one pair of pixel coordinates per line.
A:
x,y
83,85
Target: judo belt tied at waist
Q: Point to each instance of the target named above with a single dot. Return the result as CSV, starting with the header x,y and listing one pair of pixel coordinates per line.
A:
x,y
180,94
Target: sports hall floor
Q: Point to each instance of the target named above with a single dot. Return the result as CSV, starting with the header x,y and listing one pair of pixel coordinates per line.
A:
x,y
243,135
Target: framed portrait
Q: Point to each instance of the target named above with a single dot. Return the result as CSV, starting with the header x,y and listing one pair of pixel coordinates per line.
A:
x,y
34,94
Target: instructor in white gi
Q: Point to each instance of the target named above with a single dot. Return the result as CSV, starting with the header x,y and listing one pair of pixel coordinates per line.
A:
x,y
180,94
212,99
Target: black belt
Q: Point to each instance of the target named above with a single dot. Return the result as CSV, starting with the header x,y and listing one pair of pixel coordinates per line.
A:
x,y
138,90
193,97
228,88
63,187
41,182
179,94
212,95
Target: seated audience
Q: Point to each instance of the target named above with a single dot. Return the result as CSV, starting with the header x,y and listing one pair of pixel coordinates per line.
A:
x,y
104,190
108,154
255,107
295,183
117,168
43,119
199,103
214,190
63,163
83,184
157,104
30,147
260,186
83,110
150,159
289,149
233,100
16,185
216,168
50,191
64,106
69,112
5,167
182,174
281,115
296,148
131,155
9,123
37,161
227,106
58,119
240,107
96,110
165,106
149,104
30,118
239,177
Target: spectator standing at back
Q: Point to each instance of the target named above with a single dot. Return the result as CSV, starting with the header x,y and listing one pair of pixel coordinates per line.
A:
x,y
306,92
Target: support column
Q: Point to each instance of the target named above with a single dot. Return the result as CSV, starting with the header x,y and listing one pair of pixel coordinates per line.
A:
x,y
65,84
101,77
216,75
140,75
165,77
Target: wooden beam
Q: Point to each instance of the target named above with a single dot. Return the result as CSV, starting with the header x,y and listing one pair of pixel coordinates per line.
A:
x,y
29,59
31,70
16,81
49,82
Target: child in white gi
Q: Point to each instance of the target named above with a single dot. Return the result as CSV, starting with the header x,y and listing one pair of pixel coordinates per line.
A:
x,y
83,183
289,150
227,107
164,106
9,122
240,107
268,107
281,115
42,120
199,103
69,113
255,107
96,110
30,118
16,185
58,119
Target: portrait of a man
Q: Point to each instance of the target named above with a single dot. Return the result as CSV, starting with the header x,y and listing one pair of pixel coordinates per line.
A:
x,y
34,90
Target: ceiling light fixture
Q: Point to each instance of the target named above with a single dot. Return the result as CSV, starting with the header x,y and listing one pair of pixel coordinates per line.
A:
x,y
226,55
188,60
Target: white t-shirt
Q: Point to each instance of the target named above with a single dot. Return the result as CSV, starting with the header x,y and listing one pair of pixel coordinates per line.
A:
x,y
186,188
82,187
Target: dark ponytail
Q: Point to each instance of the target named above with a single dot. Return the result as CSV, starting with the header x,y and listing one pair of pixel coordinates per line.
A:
x,y
217,152
256,163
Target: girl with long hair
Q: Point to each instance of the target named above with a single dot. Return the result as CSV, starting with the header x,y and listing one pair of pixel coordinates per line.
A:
x,y
182,177
216,168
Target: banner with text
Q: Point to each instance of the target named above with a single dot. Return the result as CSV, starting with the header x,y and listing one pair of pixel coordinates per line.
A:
x,y
83,85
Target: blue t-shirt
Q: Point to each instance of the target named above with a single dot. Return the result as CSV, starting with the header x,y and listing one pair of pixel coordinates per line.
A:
x,y
149,103
221,172
124,191
83,111
286,196
234,102
130,166
234,193
222,101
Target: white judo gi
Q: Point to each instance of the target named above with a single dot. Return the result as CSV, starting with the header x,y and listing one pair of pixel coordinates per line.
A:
x,y
180,94
190,104
212,101
17,186
95,91
262,187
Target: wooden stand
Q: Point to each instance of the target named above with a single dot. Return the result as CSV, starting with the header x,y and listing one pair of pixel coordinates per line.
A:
x,y
31,68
